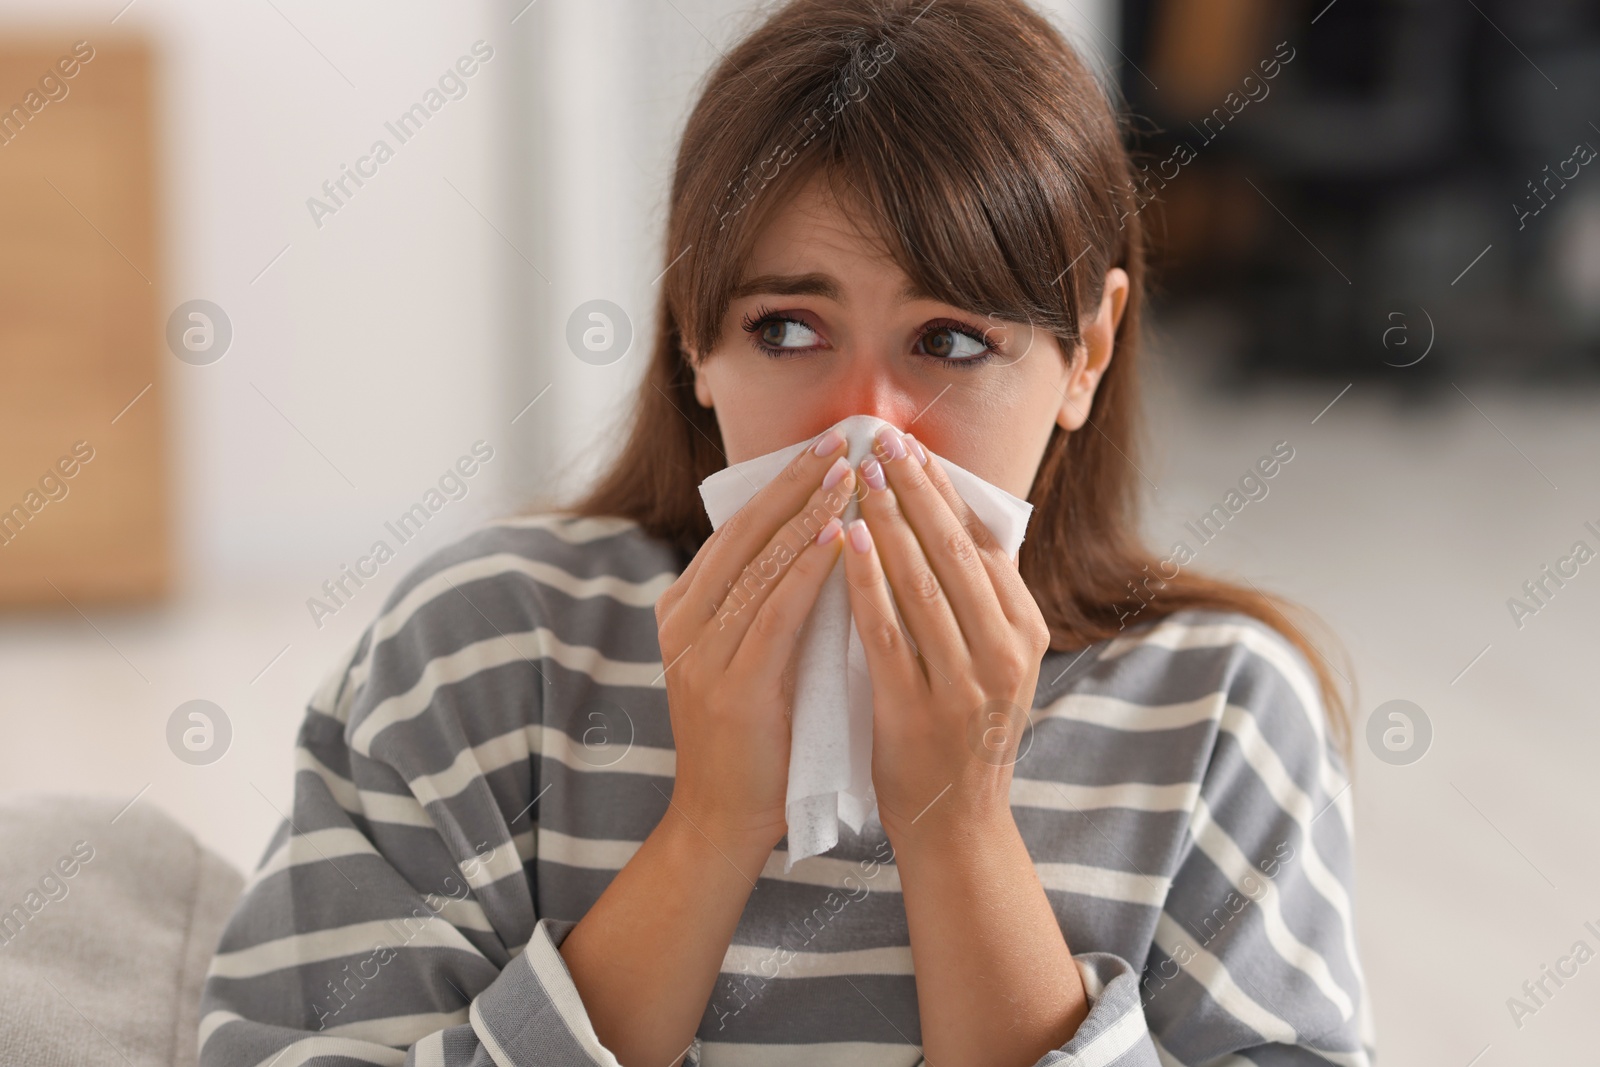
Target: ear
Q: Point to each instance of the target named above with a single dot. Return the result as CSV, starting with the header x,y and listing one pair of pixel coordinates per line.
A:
x,y
1094,353
702,388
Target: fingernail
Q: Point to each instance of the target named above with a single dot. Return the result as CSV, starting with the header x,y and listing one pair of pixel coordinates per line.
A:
x,y
828,443
872,471
889,438
860,536
917,450
836,473
829,532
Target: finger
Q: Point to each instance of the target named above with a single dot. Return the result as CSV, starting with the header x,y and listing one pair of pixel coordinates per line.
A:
x,y
752,527
891,659
774,626
769,571
675,592
1011,592
925,610
950,544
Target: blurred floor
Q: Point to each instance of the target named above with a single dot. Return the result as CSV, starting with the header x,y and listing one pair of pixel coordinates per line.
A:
x,y
1406,526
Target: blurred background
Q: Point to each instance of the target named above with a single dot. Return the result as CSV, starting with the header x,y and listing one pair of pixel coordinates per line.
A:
x,y
239,343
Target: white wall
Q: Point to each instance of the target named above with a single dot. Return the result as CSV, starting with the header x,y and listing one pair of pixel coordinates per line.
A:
x,y
379,335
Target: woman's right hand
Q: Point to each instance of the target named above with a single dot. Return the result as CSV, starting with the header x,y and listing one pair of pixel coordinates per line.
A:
x,y
728,628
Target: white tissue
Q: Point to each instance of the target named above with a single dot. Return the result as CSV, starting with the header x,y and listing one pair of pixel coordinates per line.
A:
x,y
830,755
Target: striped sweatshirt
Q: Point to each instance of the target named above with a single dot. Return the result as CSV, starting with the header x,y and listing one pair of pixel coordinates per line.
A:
x,y
495,747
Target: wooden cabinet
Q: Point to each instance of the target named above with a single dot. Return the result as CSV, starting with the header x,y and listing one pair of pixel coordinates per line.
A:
x,y
84,498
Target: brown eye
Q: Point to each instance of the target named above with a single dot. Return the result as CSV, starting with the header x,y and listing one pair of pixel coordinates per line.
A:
x,y
781,333
952,345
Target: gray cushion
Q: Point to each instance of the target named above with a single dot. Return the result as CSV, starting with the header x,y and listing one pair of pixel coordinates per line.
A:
x,y
106,929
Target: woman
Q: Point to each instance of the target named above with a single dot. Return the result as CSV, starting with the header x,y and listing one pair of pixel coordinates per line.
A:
x,y
539,813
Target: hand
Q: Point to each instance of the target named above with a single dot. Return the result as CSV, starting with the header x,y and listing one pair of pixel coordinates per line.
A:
x,y
728,628
951,701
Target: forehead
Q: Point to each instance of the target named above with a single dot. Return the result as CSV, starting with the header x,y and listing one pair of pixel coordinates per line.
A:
x,y
817,217
816,239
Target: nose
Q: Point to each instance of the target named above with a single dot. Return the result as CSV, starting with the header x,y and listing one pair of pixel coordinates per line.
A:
x,y
866,384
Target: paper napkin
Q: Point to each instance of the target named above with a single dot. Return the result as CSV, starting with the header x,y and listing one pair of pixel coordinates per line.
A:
x,y
830,755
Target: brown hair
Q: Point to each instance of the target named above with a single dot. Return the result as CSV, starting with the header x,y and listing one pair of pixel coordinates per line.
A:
x,y
995,164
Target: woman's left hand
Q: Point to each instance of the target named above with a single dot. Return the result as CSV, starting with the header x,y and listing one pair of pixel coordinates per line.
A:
x,y
952,689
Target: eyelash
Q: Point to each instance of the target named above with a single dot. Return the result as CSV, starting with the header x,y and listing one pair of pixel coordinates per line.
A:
x,y
754,322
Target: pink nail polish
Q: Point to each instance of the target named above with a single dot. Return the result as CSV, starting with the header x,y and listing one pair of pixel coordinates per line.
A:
x,y
828,442
917,450
872,471
860,536
889,438
836,473
829,532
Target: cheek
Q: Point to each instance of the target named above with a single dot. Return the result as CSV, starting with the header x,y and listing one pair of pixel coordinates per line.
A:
x,y
998,427
995,442
756,413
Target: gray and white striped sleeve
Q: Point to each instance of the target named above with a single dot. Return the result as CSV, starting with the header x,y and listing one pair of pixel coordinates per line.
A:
x,y
390,920
1254,958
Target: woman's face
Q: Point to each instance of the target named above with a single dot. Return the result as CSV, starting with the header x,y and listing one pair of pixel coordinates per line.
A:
x,y
821,328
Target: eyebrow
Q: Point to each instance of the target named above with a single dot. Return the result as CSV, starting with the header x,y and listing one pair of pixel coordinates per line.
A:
x,y
813,284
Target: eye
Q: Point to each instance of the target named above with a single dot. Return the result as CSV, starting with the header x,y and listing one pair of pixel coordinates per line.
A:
x,y
773,332
786,333
951,342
